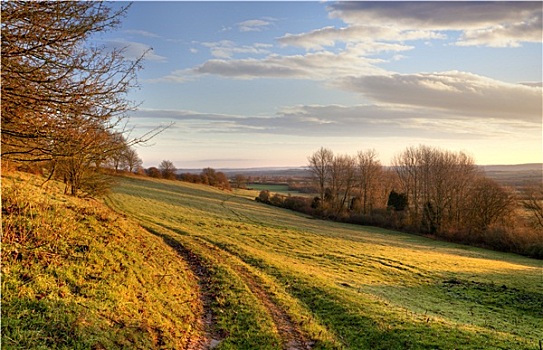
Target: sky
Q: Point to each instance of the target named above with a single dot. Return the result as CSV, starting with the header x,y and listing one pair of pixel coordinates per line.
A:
x,y
266,84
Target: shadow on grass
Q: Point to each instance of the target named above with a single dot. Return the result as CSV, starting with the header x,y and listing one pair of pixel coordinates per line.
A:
x,y
55,324
358,325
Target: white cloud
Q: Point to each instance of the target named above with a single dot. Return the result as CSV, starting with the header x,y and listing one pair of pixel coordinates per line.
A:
x,y
142,33
253,25
459,93
176,76
482,23
504,35
227,48
532,83
372,121
329,36
319,66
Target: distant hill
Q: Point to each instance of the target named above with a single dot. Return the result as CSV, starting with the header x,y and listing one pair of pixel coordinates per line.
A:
x,y
514,167
515,175
509,174
264,171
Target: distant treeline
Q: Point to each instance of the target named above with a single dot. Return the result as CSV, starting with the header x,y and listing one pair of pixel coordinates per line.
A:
x,y
427,190
208,176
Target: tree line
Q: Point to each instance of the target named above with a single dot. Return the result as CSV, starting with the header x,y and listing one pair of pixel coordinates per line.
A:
x,y
64,100
426,190
208,176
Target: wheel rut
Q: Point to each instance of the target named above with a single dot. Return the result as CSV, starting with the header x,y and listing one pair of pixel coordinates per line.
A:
x,y
291,335
201,336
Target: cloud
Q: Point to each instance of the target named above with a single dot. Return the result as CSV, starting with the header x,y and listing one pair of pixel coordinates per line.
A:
x,y
459,93
319,65
482,23
532,83
134,50
227,48
438,15
329,36
142,33
369,120
253,25
510,35
353,60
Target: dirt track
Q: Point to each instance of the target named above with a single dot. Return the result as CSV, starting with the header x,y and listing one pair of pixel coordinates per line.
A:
x,y
204,334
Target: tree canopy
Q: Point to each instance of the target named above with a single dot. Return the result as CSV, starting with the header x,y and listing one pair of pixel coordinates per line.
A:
x,y
64,99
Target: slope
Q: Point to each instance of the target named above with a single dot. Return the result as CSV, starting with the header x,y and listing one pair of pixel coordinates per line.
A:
x,y
278,280
76,275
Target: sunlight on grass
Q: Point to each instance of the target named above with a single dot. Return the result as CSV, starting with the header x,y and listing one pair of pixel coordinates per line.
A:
x,y
77,275
404,291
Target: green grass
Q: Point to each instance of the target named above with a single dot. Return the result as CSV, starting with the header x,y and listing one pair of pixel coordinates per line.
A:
x,y
179,265
342,286
76,275
275,188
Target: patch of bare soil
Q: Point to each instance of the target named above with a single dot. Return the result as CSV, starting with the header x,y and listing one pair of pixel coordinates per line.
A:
x,y
201,337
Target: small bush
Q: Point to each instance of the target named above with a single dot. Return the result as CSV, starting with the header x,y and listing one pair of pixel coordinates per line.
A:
x,y
264,196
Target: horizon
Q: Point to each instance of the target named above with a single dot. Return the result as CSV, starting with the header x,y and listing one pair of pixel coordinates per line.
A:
x,y
266,84
306,167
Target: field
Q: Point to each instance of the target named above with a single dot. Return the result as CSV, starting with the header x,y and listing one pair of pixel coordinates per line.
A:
x,y
275,188
273,279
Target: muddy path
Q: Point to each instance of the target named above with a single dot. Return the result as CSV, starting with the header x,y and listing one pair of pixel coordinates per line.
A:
x,y
202,336
291,335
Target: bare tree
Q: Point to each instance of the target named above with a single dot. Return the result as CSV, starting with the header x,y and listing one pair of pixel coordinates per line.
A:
x,y
57,87
240,181
49,76
167,170
132,160
533,203
342,181
319,165
487,204
407,168
369,173
436,183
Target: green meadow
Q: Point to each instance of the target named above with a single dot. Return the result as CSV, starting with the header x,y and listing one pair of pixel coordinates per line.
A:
x,y
275,188
269,278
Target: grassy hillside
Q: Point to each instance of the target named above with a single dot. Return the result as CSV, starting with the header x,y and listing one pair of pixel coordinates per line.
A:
x,y
274,279
76,275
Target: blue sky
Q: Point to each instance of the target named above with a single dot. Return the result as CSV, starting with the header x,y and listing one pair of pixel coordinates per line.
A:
x,y
251,84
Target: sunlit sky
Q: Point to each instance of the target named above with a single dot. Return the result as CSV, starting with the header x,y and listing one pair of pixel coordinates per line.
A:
x,y
254,84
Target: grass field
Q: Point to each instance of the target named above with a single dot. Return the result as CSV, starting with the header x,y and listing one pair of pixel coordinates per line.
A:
x,y
275,188
76,275
273,279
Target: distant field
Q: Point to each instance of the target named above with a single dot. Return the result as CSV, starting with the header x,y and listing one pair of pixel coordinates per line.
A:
x,y
274,188
274,279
